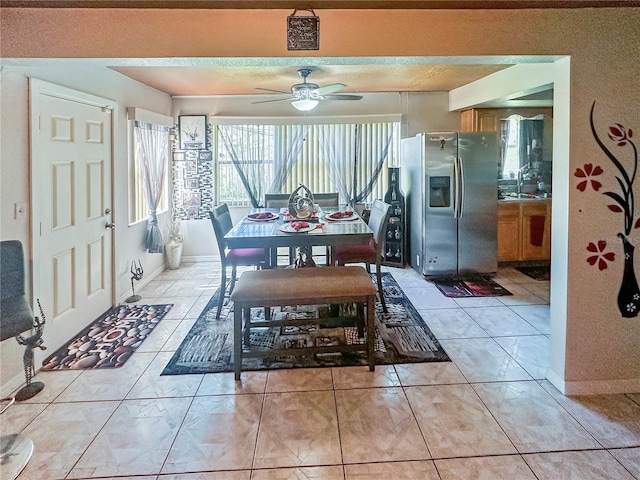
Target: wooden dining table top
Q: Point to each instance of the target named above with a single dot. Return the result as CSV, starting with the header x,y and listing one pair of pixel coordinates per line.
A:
x,y
267,234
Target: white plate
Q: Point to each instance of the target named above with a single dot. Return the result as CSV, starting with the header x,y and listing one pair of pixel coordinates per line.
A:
x,y
344,219
287,228
272,217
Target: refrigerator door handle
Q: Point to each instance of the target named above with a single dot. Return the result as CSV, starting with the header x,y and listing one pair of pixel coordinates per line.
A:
x,y
456,187
460,187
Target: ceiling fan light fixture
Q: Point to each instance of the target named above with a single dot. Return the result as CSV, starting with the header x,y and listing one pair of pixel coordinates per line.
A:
x,y
305,104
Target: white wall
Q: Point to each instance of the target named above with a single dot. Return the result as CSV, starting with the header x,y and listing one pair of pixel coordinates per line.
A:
x,y
15,172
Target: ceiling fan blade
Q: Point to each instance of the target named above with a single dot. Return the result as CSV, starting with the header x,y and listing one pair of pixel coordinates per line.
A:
x,y
335,87
342,97
272,91
272,100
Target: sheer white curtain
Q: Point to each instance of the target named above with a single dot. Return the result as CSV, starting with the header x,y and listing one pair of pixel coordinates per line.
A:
x,y
289,140
152,155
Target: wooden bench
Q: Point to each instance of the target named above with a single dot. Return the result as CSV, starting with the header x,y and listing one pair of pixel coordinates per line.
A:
x,y
301,286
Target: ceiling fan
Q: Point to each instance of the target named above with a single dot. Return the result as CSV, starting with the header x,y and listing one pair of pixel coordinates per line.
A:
x,y
305,96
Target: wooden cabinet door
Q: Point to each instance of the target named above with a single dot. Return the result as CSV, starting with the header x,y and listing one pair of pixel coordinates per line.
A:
x,y
508,232
536,231
487,121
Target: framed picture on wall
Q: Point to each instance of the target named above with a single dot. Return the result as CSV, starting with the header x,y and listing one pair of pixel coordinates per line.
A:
x,y
192,132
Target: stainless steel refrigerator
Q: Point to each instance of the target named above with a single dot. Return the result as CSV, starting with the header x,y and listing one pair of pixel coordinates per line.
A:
x,y
450,182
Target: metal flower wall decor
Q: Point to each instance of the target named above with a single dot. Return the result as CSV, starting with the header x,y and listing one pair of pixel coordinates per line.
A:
x,y
619,202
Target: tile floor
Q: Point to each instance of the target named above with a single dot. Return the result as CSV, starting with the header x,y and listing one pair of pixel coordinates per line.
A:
x,y
488,414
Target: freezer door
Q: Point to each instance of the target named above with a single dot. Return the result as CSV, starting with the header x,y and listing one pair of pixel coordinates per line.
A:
x,y
441,190
478,222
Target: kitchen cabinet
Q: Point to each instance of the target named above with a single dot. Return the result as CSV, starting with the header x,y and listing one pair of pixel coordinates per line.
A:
x,y
524,230
488,119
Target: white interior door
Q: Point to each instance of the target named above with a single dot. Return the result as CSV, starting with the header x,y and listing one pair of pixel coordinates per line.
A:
x,y
72,208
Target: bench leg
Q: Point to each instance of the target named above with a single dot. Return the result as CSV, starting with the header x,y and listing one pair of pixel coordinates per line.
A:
x,y
371,333
247,326
237,340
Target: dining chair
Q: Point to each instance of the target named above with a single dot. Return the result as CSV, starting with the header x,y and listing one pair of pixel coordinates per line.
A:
x,y
281,200
370,253
258,257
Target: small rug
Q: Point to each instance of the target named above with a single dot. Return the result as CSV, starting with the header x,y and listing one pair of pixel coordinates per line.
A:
x,y
542,273
110,340
401,337
476,286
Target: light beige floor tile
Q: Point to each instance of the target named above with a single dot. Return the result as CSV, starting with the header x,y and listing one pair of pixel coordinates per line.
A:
x,y
593,465
219,433
485,468
181,305
501,321
614,420
228,475
191,287
159,336
531,352
476,302
332,472
154,289
532,419
635,397
60,436
153,385
539,316
361,377
225,383
107,383
299,379
520,296
54,384
428,298
541,289
298,429
455,423
629,458
135,440
377,425
150,477
452,323
18,416
429,373
422,470
483,360
198,306
179,334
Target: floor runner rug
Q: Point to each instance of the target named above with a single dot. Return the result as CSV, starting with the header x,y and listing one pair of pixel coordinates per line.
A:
x,y
476,286
537,273
110,340
401,337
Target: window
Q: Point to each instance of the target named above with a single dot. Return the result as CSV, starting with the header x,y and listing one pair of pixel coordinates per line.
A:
x,y
347,158
138,207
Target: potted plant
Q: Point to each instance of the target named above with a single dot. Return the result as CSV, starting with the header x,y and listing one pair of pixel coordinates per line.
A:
x,y
173,248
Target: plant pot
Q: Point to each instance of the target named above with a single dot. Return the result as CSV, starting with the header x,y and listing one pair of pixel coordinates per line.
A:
x,y
173,252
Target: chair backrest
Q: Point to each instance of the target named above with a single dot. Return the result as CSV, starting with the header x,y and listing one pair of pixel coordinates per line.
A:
x,y
15,313
326,199
222,223
276,200
279,200
378,220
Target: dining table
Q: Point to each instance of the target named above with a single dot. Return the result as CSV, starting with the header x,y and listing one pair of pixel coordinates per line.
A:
x,y
258,229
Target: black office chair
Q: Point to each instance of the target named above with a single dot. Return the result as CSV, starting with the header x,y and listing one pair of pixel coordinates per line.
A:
x,y
371,252
258,257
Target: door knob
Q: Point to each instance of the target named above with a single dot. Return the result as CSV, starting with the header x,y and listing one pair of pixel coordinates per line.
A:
x,y
109,226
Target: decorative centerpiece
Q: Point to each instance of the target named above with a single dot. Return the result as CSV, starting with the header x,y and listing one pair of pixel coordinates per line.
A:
x,y
301,204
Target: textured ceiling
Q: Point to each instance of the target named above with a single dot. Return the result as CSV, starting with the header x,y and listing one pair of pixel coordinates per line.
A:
x,y
245,80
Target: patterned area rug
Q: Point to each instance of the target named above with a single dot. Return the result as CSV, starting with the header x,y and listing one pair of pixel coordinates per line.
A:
x,y
476,286
537,273
110,340
401,337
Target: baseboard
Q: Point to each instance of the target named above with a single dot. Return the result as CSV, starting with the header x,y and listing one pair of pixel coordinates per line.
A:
x,y
13,385
201,258
594,387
